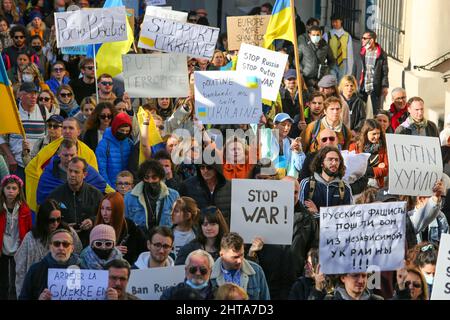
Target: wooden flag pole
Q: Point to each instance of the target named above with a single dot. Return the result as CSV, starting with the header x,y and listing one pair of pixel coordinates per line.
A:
x,y
297,65
95,73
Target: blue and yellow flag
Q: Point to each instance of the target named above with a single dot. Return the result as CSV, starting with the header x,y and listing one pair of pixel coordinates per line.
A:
x,y
9,113
109,54
153,134
280,25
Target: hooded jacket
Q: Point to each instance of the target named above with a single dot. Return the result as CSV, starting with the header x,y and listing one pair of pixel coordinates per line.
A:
x,y
144,257
24,222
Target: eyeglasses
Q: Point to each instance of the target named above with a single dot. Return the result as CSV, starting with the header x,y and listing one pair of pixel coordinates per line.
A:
x,y
127,184
89,67
400,98
416,285
53,220
193,270
105,116
19,37
325,139
54,126
205,167
65,244
105,83
192,20
58,69
163,246
103,243
66,95
46,99
365,38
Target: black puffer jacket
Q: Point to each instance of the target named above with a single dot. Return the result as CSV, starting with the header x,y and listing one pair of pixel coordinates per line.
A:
x,y
312,56
357,109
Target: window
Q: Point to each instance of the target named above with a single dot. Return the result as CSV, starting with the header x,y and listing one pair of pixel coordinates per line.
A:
x,y
348,10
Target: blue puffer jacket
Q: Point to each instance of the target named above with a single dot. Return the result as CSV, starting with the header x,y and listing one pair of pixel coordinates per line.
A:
x,y
112,156
136,209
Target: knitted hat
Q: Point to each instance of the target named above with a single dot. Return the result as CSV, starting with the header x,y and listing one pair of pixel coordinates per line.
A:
x,y
122,119
102,232
35,14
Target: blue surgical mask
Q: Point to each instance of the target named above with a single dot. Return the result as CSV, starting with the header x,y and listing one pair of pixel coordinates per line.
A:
x,y
429,278
197,286
315,39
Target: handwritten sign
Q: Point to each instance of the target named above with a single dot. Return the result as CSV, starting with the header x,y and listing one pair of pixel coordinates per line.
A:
x,y
441,284
266,64
166,13
353,238
263,208
149,284
156,2
415,164
77,284
155,75
246,29
74,51
227,97
90,26
166,35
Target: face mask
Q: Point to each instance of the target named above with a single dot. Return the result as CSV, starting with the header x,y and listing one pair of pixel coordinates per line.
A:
x,y
154,188
27,77
315,39
331,174
37,48
197,286
121,136
101,253
60,9
429,278
368,45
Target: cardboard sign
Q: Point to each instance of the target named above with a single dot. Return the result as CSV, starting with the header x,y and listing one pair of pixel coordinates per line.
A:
x,y
74,51
415,164
354,238
263,208
227,97
166,13
266,64
155,75
149,284
246,29
90,26
173,36
441,284
77,284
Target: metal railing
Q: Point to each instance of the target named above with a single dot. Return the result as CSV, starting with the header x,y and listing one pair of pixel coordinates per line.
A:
x,y
391,30
347,9
429,66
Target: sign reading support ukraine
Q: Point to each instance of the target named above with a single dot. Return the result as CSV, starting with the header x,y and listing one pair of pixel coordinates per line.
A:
x,y
227,97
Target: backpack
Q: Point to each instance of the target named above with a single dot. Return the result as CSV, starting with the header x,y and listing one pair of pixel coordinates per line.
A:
x,y
316,131
312,188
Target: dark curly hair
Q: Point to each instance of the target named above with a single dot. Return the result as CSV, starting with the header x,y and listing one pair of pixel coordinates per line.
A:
x,y
151,165
317,164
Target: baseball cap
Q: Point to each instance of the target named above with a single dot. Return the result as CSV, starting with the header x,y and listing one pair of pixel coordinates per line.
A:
x,y
29,87
290,74
282,117
56,118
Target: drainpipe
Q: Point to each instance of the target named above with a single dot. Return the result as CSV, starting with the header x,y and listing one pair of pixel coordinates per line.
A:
x,y
323,13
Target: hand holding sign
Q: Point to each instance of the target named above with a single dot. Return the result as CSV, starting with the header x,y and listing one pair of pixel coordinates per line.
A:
x,y
45,295
401,278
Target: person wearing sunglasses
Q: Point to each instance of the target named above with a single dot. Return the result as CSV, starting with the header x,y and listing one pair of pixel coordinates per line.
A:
x,y
66,100
48,100
85,86
5,38
99,120
58,76
35,245
105,89
19,35
61,256
198,267
160,246
102,248
411,285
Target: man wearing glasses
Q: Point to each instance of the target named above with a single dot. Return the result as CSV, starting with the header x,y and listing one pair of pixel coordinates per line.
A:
x,y
58,77
84,86
119,274
105,89
198,268
399,107
160,245
19,36
61,256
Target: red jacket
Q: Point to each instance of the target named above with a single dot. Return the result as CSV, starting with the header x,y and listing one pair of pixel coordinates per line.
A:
x,y
382,170
25,223
398,117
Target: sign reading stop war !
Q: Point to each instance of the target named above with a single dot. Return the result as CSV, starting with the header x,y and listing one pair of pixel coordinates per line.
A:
x,y
155,75
263,208
90,26
354,238
246,29
166,35
266,64
415,164
227,97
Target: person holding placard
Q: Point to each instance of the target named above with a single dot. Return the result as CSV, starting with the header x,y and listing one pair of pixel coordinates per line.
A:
x,y
411,285
416,124
119,274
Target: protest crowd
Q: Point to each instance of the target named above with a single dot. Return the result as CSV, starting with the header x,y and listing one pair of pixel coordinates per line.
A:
x,y
214,170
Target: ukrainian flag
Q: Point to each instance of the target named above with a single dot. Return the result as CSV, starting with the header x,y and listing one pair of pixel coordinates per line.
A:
x,y
202,112
280,25
109,54
252,82
9,114
153,134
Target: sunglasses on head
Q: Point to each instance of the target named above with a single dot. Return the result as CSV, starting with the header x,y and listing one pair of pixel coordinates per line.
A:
x,y
325,139
416,285
46,99
193,270
103,243
105,116
65,95
54,126
65,244
106,83
53,220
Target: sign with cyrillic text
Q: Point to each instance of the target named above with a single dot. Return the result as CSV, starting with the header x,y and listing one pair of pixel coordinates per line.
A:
x,y
166,14
441,283
90,26
267,65
246,29
149,284
74,51
263,208
77,284
415,164
166,35
227,97
354,238
162,75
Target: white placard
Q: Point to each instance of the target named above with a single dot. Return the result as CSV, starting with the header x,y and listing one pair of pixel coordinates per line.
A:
x,y
441,283
266,64
90,26
155,75
149,284
355,165
415,164
354,238
263,208
166,35
156,2
166,13
77,284
227,97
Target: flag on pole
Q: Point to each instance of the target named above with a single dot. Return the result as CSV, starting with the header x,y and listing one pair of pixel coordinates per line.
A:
x,y
280,25
152,132
9,113
109,54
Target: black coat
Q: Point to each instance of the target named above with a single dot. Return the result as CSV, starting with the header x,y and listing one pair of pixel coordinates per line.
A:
x,y
357,112
90,138
315,61
381,74
190,247
134,239
301,289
